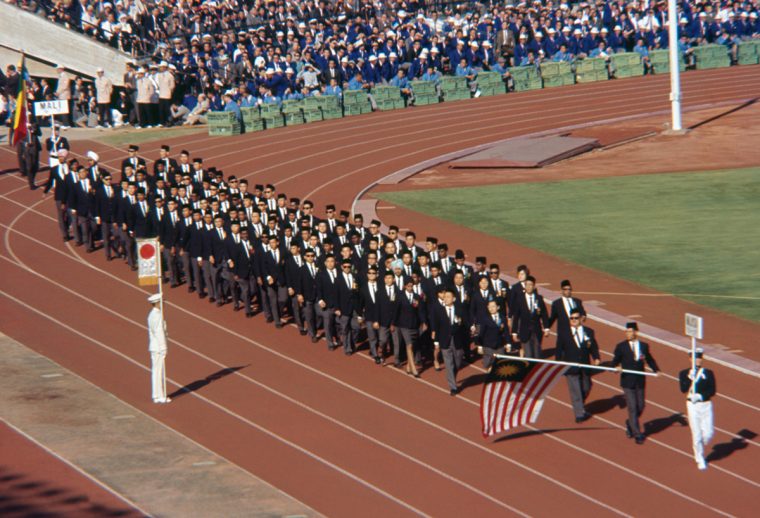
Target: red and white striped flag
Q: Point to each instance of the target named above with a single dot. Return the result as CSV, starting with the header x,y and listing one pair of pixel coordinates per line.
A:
x,y
514,392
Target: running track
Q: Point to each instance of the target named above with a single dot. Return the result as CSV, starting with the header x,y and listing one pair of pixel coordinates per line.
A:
x,y
341,434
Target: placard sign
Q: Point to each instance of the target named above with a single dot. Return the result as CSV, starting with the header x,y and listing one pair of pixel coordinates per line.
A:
x,y
148,262
49,108
693,325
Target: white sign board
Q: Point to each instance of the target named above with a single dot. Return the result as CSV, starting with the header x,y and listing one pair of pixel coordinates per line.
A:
x,y
48,108
693,326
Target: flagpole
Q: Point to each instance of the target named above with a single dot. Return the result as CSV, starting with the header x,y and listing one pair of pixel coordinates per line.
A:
x,y
571,364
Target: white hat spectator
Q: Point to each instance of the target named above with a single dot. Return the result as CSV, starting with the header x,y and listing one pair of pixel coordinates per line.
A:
x,y
551,31
373,58
539,34
485,44
92,155
270,71
605,30
474,44
99,69
617,28
577,31
393,55
523,36
594,30
218,82
289,71
382,55
565,29
165,64
344,59
434,50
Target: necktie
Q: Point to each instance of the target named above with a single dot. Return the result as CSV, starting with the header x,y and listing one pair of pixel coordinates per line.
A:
x,y
245,247
311,269
372,291
496,318
108,191
409,296
635,349
450,310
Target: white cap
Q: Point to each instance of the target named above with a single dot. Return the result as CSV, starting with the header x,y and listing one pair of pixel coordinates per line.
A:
x,y
280,33
486,43
422,16
594,30
382,55
392,55
344,59
289,71
99,69
551,31
565,29
474,44
539,34
64,150
617,28
59,66
92,155
373,58
435,49
165,64
270,71
577,31
604,29
523,35
155,298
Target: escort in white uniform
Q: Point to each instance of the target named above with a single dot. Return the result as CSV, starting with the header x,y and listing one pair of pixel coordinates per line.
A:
x,y
157,348
699,386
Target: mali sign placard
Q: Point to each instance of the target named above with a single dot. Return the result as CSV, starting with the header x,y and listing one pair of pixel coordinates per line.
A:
x,y
148,262
49,108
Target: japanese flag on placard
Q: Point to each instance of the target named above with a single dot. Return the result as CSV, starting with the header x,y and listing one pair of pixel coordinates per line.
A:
x,y
148,265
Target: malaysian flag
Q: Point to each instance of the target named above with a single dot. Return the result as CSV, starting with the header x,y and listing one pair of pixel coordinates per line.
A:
x,y
514,392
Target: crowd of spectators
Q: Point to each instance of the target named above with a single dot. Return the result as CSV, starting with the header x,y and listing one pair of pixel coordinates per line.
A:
x,y
261,52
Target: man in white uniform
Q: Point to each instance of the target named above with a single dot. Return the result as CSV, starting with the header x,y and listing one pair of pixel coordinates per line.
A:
x,y
699,386
157,348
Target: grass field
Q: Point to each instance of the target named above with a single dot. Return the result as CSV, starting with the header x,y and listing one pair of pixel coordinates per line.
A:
x,y
122,137
696,235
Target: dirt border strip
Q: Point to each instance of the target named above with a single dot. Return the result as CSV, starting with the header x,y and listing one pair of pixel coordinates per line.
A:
x,y
368,207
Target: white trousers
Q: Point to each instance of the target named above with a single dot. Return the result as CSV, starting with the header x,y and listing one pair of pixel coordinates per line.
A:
x,y
701,424
158,375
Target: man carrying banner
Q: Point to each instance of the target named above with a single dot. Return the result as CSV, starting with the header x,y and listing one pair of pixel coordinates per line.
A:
x,y
630,354
698,384
580,348
157,348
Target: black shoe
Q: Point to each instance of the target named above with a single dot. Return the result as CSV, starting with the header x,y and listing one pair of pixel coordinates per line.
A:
x,y
249,314
584,417
278,325
211,300
175,285
348,353
331,347
270,320
109,258
639,439
397,365
378,360
453,392
236,307
628,432
201,295
314,339
303,332
190,289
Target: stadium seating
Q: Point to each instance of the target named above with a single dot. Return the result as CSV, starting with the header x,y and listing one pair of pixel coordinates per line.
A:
x,y
222,124
660,60
626,64
424,93
557,74
455,88
491,83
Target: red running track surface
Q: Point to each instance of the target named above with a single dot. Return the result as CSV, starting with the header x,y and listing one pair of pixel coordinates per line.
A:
x,y
342,434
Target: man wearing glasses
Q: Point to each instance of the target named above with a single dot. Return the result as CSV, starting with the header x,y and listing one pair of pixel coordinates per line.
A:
x,y
561,310
581,348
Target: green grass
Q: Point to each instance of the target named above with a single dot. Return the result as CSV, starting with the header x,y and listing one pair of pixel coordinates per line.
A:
x,y
696,235
122,137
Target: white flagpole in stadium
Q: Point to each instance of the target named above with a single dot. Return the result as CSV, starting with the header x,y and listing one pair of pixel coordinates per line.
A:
x,y
675,79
